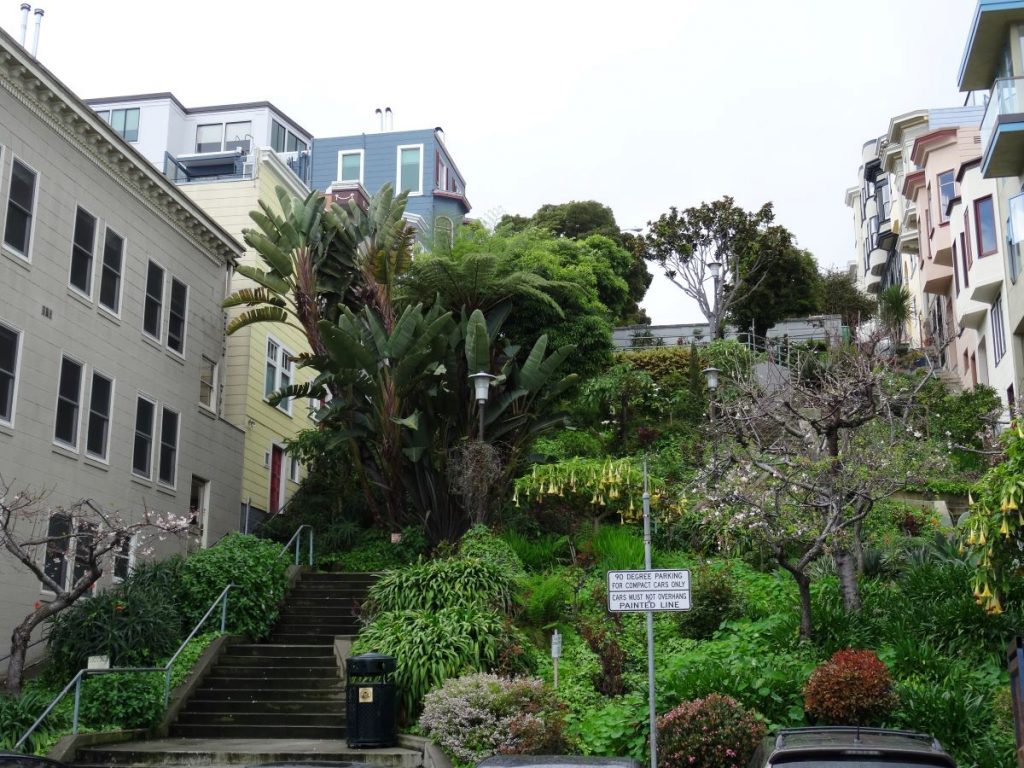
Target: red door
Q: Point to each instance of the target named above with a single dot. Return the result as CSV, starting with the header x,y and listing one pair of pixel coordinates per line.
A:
x,y
276,465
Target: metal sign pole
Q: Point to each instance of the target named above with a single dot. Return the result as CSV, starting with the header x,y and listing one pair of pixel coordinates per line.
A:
x,y
650,624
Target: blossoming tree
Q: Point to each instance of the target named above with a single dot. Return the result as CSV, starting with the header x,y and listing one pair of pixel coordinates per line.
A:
x,y
85,539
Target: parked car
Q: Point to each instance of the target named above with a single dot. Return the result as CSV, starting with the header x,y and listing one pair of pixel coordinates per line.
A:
x,y
556,761
18,760
850,747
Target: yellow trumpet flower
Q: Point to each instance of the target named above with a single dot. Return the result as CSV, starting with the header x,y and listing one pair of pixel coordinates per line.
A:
x,y
1004,529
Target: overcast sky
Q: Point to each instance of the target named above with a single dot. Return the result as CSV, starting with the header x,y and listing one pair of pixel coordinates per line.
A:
x,y
640,105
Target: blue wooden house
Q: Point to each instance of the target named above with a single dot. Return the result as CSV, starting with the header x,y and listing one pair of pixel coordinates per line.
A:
x,y
418,161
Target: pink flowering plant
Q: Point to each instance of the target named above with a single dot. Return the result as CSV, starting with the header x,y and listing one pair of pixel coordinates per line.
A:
x,y
713,732
479,715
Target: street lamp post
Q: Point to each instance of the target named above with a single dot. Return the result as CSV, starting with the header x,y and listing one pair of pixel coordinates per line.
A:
x,y
711,374
481,390
716,271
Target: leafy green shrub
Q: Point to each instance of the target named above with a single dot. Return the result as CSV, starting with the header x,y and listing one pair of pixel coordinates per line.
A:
x,y
539,552
133,625
479,715
567,443
434,644
601,634
612,727
17,713
374,551
189,656
546,598
851,688
480,543
617,548
438,584
712,601
125,700
253,565
714,732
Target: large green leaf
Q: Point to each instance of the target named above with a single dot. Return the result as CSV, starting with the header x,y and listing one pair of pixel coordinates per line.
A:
x,y
259,315
344,350
478,343
252,297
266,279
531,376
277,258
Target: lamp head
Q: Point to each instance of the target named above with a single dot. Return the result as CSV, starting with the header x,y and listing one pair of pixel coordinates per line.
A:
x,y
711,374
716,268
481,385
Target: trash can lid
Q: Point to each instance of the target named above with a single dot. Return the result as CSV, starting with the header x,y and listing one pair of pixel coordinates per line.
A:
x,y
372,657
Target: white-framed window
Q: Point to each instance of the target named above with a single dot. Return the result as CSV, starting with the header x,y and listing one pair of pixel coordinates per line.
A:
x,y
317,404
69,403
440,173
97,431
209,138
111,272
279,371
444,231
998,330
238,136
142,446
177,313
152,314
409,177
125,122
350,165
10,357
294,469
21,206
168,464
83,251
124,557
208,383
67,556
946,183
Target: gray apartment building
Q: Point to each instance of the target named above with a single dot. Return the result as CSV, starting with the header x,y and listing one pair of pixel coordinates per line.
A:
x,y
111,327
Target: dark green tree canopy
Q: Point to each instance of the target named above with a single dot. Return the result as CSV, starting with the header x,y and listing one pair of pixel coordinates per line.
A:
x,y
790,288
840,296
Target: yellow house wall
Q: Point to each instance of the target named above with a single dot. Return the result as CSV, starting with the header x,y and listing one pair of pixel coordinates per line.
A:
x,y
242,383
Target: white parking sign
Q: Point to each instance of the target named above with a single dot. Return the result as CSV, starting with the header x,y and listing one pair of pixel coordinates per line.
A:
x,y
640,591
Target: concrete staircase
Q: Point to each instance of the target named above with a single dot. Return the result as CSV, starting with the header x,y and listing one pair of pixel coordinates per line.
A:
x,y
288,689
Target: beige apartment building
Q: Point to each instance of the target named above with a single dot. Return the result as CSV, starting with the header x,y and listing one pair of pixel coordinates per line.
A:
x,y
111,328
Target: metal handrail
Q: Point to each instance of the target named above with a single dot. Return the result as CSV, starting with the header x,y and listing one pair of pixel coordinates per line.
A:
x,y
76,681
298,543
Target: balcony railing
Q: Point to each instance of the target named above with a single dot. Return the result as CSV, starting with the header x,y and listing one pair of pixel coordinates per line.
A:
x,y
1005,99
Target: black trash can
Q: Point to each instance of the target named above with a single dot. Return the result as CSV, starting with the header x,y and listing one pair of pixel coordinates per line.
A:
x,y
371,704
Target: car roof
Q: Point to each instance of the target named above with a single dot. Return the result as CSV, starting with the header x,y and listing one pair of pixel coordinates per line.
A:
x,y
793,742
555,761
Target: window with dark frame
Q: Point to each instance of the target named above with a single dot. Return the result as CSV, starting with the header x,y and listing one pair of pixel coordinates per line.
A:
x,y
151,314
985,226
168,446
965,246
110,276
83,246
125,123
956,269
237,136
122,557
97,433
176,320
209,138
9,339
21,201
142,449
58,538
85,540
278,136
69,395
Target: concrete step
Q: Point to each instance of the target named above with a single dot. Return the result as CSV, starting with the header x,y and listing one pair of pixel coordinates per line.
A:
x,y
315,707
236,731
287,650
252,695
323,601
270,683
266,672
304,662
324,627
221,752
330,719
306,637
303,612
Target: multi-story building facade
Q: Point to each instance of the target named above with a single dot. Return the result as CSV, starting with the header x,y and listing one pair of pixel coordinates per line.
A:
x,y
993,64
111,327
227,159
414,161
925,218
195,143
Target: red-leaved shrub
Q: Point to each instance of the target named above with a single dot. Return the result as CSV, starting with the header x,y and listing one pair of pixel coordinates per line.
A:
x,y
713,732
851,688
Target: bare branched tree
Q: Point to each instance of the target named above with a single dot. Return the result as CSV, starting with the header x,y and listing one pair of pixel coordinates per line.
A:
x,y
66,548
806,461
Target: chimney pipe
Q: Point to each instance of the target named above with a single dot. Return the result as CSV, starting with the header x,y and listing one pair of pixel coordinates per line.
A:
x,y
25,8
391,118
380,114
39,22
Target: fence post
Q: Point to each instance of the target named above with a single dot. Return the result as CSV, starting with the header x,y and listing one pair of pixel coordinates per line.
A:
x,y
78,698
